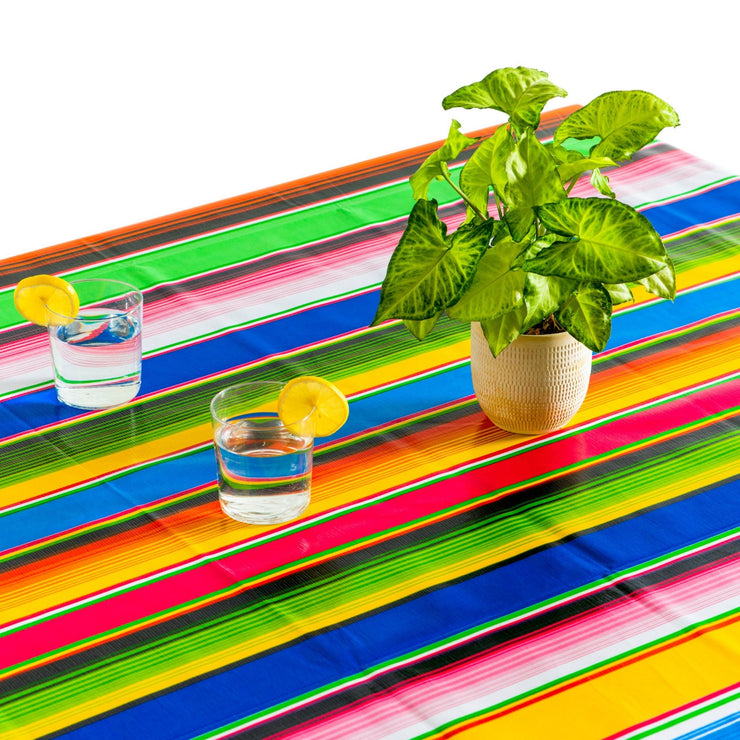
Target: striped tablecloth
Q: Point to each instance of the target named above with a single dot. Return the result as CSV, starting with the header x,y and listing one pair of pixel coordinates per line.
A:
x,y
448,579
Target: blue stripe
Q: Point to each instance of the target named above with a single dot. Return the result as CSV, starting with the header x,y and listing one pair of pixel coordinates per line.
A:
x,y
322,659
711,205
727,728
114,496
209,357
662,316
170,477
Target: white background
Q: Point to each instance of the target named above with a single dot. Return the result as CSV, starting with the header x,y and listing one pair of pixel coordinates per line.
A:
x,y
116,112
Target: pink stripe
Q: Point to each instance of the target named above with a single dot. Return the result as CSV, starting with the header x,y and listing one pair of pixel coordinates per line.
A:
x,y
505,672
654,172
231,302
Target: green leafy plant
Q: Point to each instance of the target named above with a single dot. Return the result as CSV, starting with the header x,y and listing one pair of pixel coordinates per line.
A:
x,y
545,261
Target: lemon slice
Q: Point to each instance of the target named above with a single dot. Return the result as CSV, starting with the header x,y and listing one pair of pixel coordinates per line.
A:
x,y
46,300
312,407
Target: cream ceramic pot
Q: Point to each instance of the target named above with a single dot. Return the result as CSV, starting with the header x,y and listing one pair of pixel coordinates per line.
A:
x,y
535,385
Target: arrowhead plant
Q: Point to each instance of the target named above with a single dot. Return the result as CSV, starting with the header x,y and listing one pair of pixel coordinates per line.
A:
x,y
530,257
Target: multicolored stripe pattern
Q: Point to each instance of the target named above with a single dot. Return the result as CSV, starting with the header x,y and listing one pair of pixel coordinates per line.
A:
x,y
449,580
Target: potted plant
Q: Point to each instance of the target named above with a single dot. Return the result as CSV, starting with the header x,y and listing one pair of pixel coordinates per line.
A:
x,y
531,264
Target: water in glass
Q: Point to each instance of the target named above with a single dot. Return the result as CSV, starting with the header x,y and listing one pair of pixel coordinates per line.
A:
x,y
264,470
97,361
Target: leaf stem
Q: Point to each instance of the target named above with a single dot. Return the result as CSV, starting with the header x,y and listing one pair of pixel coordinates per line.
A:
x,y
453,185
572,184
499,209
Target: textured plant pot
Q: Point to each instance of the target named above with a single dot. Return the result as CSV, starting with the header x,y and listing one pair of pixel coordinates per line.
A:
x,y
535,385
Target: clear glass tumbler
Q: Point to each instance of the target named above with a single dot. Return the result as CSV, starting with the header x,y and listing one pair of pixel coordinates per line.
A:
x,y
264,469
97,353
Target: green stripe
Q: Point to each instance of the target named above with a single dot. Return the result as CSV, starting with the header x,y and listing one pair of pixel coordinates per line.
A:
x,y
315,223
251,241
705,244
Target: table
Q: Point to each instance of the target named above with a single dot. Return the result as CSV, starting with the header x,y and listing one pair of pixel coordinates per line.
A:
x,y
448,579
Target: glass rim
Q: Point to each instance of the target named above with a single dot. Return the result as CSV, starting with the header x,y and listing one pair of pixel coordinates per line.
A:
x,y
127,289
277,384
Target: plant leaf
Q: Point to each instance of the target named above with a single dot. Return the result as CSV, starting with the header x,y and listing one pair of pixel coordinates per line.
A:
x,y
532,177
534,248
502,331
475,176
496,288
519,221
619,293
420,329
587,315
662,283
601,183
486,168
520,92
606,241
428,270
503,146
543,295
435,165
575,167
624,121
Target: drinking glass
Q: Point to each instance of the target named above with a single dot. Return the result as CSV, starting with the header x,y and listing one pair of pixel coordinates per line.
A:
x,y
97,353
264,469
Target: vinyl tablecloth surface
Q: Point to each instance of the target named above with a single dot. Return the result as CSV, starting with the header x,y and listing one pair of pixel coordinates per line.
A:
x,y
448,579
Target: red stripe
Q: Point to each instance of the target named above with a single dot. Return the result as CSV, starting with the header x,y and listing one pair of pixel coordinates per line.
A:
x,y
397,511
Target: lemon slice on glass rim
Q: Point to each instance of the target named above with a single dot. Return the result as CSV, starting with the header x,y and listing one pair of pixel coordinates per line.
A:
x,y
312,407
46,300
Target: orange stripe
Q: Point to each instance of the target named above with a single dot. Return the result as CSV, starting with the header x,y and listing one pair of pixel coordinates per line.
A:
x,y
317,182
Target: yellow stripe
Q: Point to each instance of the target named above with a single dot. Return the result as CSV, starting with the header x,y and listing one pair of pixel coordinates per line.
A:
x,y
627,694
690,278
680,371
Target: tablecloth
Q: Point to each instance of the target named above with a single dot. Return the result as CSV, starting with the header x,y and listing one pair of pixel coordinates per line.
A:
x,y
448,579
